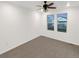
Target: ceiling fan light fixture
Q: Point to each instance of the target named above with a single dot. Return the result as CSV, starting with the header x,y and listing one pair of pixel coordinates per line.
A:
x,y
45,10
41,10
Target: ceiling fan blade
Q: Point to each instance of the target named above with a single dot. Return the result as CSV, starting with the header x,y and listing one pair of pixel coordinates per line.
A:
x,y
38,5
52,7
50,4
39,9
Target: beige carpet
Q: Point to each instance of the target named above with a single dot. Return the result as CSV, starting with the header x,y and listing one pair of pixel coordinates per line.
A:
x,y
43,47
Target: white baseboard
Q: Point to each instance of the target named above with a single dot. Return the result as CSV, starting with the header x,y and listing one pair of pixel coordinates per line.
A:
x,y
16,45
62,40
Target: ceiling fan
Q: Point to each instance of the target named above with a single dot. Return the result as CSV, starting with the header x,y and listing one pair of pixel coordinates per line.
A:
x,y
46,6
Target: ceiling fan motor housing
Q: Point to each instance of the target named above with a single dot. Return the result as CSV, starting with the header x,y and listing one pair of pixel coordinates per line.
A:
x,y
45,6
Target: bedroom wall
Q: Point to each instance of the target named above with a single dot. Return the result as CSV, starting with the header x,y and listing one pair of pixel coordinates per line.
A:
x,y
17,26
72,34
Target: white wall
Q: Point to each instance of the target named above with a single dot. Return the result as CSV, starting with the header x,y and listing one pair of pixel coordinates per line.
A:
x,y
72,34
17,26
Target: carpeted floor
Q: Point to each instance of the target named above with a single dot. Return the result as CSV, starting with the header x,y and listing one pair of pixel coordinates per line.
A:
x,y
43,47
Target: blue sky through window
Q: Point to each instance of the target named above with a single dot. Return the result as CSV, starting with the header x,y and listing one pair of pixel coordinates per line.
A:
x,y
50,18
62,17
